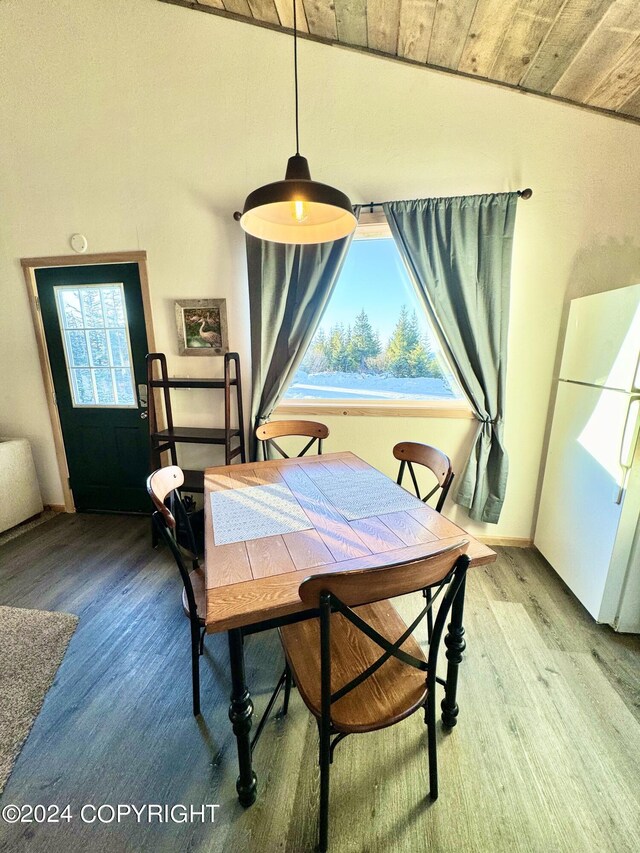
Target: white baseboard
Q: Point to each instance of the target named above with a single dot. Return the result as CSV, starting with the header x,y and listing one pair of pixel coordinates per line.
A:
x,y
506,541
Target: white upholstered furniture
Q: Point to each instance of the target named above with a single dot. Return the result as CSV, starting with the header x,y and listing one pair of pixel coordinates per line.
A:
x,y
21,493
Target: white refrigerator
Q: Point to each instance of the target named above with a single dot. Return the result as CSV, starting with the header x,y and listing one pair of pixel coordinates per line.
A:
x,y
588,522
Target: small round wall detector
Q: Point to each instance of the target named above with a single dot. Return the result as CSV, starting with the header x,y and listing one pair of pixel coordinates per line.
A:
x,y
78,243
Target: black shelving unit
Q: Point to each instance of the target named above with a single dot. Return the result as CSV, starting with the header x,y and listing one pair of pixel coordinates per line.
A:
x,y
165,440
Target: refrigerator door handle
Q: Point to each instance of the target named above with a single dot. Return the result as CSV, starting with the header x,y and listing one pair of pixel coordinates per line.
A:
x,y
636,375
629,440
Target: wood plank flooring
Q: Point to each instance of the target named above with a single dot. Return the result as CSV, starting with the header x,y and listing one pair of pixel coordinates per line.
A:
x,y
546,756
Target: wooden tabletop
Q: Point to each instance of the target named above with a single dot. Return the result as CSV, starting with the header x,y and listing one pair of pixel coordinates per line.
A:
x,y
251,581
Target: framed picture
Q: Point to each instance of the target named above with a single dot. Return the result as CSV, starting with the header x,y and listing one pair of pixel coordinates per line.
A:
x,y
202,326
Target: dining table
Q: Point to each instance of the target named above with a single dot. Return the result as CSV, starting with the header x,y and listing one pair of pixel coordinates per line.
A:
x,y
271,524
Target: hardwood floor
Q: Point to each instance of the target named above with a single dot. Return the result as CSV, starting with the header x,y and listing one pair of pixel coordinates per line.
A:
x,y
546,756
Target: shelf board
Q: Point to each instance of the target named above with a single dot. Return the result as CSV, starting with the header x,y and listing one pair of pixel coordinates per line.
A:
x,y
193,481
194,435
185,382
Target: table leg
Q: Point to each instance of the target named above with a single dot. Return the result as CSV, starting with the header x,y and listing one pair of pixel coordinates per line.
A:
x,y
454,641
240,713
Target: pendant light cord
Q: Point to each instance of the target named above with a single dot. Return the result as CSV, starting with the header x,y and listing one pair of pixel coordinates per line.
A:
x,y
295,70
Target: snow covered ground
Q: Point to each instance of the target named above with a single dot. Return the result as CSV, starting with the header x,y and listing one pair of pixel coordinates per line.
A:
x,y
349,386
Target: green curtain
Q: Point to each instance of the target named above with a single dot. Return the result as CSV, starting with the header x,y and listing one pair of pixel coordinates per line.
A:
x,y
458,252
289,288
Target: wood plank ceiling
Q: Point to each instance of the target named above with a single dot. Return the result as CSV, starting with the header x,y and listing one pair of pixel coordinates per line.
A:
x,y
586,52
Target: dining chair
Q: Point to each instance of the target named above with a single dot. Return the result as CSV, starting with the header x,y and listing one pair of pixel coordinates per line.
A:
x,y
163,487
411,453
278,429
360,670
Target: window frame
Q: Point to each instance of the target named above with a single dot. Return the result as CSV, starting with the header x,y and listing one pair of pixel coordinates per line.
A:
x,y
374,226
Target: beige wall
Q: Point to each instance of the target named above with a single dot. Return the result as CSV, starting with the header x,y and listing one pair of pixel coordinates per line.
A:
x,y
143,125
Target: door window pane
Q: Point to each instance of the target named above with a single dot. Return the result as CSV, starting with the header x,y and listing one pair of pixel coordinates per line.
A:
x,y
97,349
92,307
119,347
77,348
104,386
113,306
71,310
124,386
83,388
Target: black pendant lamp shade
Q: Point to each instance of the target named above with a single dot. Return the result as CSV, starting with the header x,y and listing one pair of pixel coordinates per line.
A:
x,y
297,210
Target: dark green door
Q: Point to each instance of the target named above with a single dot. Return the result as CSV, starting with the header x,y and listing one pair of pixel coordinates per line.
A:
x,y
94,326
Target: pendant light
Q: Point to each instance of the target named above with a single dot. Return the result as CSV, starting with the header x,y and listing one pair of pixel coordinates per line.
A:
x,y
297,210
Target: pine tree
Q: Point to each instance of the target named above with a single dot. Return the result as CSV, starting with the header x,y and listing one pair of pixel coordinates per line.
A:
x,y
337,348
398,350
413,331
349,364
406,354
364,343
320,340
418,359
315,360
433,365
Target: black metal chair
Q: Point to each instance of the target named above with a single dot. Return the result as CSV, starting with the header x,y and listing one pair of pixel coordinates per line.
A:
x,y
362,670
163,488
170,516
278,429
411,453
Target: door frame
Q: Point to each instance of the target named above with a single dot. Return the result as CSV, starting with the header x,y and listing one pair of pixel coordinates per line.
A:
x,y
29,267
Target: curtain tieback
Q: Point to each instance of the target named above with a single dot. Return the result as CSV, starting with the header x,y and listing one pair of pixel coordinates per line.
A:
x,y
489,421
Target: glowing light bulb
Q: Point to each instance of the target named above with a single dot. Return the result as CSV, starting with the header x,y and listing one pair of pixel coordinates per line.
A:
x,y
299,211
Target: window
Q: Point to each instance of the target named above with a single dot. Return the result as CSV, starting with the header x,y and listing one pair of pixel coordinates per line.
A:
x,y
374,343
93,321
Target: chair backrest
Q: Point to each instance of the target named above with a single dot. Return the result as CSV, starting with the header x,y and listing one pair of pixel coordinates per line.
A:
x,y
340,591
412,453
160,484
277,429
382,579
163,486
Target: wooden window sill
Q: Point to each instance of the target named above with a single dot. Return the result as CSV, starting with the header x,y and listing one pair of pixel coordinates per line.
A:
x,y
375,408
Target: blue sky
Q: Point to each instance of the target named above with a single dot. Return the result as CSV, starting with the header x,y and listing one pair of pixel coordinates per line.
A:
x,y
373,278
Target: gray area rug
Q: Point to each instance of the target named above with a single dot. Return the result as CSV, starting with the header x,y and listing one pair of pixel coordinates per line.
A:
x,y
19,529
32,645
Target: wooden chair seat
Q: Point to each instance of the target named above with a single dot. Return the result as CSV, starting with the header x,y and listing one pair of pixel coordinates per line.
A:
x,y
392,693
200,592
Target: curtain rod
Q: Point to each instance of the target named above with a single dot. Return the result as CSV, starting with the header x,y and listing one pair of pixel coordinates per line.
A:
x,y
525,194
